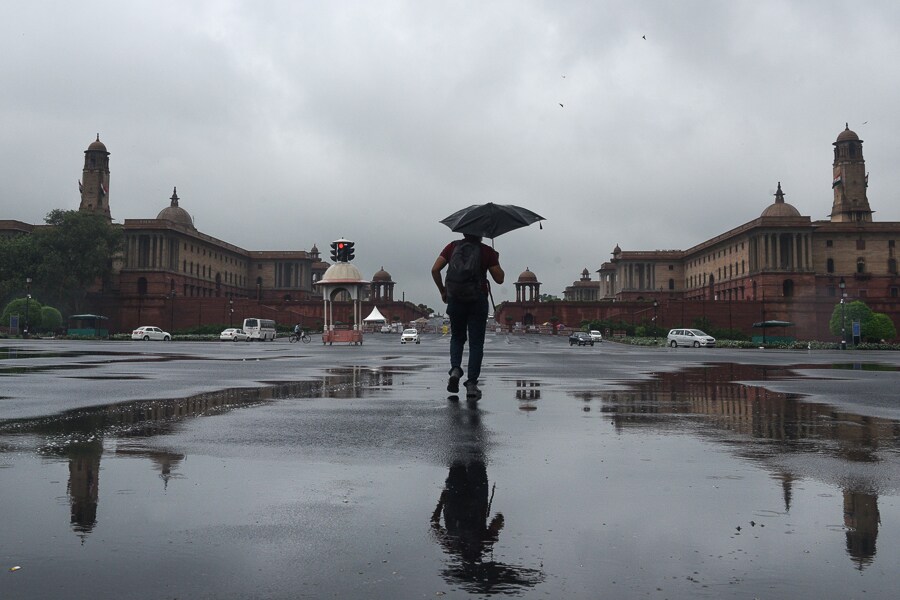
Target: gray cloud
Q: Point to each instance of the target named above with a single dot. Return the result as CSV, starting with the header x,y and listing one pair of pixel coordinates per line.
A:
x,y
285,124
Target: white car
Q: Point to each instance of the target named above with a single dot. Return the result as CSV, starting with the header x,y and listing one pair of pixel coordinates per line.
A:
x,y
689,337
409,335
234,335
596,336
148,332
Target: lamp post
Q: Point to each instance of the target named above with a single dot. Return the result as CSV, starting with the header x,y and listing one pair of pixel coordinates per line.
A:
x,y
230,312
655,315
27,304
172,310
843,285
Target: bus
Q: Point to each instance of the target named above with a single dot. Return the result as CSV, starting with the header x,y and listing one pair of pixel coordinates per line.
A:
x,y
260,329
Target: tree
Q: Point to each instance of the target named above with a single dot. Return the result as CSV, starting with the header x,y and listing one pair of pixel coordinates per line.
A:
x,y
17,307
873,326
843,318
880,327
73,255
51,319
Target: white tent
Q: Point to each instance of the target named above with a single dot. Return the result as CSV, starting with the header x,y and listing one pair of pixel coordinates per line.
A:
x,y
375,316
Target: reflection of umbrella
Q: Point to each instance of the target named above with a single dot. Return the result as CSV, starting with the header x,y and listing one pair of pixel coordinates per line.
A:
x,y
490,220
766,324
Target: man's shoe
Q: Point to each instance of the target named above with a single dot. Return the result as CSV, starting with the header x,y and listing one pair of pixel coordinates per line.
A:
x,y
472,391
453,382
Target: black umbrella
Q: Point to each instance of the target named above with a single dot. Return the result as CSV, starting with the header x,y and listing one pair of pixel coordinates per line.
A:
x,y
490,220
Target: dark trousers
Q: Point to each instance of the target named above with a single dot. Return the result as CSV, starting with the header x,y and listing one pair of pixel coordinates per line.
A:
x,y
468,320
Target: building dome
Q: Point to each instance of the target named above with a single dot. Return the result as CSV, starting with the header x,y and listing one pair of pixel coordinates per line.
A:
x,y
617,250
780,208
97,145
381,275
175,213
847,134
341,273
527,277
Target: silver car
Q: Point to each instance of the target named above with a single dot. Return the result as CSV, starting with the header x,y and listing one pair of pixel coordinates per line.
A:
x,y
689,337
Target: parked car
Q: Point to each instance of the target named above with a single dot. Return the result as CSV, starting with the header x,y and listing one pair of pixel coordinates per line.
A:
x,y
580,338
386,329
148,332
596,335
409,335
689,337
233,334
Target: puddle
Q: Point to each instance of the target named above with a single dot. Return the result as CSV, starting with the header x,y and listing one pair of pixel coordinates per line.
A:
x,y
681,485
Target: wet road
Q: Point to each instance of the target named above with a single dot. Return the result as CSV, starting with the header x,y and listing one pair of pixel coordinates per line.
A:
x,y
205,470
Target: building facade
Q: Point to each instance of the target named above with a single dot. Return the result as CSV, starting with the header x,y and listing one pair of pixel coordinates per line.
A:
x,y
780,265
171,274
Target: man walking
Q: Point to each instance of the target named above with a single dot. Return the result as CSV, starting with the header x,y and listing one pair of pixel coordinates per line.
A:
x,y
466,295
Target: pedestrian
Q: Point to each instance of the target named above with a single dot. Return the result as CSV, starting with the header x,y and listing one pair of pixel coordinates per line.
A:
x,y
466,294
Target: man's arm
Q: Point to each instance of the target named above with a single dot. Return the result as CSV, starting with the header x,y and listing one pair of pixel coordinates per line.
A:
x,y
436,269
497,273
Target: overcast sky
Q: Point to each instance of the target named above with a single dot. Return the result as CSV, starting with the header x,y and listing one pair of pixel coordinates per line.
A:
x,y
288,124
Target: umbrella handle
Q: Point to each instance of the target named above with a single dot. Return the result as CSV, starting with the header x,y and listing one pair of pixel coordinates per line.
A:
x,y
491,296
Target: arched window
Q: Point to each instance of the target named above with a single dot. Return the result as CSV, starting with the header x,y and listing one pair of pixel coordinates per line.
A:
x,y
142,286
787,288
829,265
860,265
671,284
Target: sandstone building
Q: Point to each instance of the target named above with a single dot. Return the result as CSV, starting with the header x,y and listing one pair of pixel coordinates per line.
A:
x,y
780,265
175,276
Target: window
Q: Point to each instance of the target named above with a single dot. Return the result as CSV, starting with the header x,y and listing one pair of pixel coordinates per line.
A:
x,y
890,243
671,284
829,243
787,288
892,266
829,265
894,292
860,265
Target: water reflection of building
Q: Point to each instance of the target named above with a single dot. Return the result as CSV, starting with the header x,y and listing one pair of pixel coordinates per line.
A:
x,y
83,486
861,518
528,391
709,397
78,436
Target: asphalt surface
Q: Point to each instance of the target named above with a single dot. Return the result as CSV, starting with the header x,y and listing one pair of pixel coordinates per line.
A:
x,y
276,470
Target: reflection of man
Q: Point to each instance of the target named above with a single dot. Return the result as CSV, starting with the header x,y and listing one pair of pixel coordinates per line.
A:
x,y
466,509
468,532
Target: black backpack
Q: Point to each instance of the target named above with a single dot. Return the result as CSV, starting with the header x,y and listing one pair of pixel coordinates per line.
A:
x,y
464,275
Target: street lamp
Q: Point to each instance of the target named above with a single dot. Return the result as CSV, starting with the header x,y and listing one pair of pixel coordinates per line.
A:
x,y
655,315
230,312
172,310
843,284
27,304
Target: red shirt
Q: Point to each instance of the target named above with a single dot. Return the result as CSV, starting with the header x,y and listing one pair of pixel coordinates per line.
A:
x,y
489,258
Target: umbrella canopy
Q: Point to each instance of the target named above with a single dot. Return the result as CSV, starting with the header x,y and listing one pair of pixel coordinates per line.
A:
x,y
490,220
764,324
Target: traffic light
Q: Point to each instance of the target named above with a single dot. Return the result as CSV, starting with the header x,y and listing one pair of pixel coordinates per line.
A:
x,y
342,250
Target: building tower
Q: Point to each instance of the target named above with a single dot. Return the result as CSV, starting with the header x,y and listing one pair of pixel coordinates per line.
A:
x,y
94,184
850,180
